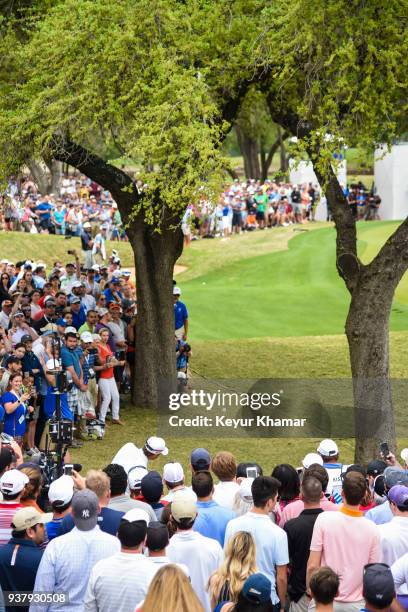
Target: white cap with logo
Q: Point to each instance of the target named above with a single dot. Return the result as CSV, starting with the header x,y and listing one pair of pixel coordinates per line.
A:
x,y
13,482
328,448
156,446
61,489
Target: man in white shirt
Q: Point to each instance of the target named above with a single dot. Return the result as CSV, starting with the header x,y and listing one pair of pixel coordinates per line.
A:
x,y
201,555
272,556
394,535
68,560
173,478
123,579
157,541
224,467
130,456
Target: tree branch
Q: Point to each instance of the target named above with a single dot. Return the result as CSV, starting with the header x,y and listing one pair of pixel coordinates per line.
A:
x,y
120,184
392,259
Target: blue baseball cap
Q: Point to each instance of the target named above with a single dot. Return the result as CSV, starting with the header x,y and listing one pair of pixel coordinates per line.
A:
x,y
200,459
398,495
61,322
257,589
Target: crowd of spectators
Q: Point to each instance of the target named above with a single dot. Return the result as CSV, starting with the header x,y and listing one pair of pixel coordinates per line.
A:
x,y
323,536
243,206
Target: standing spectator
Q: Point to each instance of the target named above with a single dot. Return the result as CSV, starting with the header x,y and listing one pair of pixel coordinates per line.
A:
x,y
21,556
157,540
294,509
271,541
108,519
60,496
200,459
12,485
170,589
224,467
299,531
119,499
107,383
152,490
68,560
87,245
394,535
378,588
180,315
16,408
239,563
329,452
201,555
99,248
392,476
324,586
212,518
173,478
124,578
331,543
288,489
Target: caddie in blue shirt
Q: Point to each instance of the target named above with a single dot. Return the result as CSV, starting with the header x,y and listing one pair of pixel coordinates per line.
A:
x,y
180,316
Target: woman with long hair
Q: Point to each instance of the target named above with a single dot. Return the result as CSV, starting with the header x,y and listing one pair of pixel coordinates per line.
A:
x,y
32,490
107,383
34,305
15,408
170,589
239,562
5,283
289,488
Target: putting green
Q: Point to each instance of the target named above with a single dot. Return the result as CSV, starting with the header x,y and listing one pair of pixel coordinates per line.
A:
x,y
293,292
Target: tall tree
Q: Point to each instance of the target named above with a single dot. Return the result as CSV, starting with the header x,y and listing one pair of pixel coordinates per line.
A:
x,y
340,76
88,67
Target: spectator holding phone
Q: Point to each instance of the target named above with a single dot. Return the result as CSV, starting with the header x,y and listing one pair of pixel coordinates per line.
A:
x,y
16,408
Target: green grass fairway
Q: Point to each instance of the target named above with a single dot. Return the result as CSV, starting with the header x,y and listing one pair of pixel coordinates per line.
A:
x,y
281,293
263,305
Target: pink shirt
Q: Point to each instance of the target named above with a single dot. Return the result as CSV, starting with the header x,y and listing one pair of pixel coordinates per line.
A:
x,y
293,510
347,541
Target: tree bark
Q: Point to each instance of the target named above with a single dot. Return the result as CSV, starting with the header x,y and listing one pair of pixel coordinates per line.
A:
x,y
155,256
250,152
39,175
55,169
266,160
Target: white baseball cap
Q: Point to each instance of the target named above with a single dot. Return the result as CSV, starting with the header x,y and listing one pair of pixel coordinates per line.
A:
x,y
70,330
76,284
328,448
135,476
13,482
61,490
312,458
183,505
136,514
176,291
157,446
173,472
95,267
86,337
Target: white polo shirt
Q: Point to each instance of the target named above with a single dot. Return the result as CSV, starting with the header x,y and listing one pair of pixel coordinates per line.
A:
x,y
118,582
224,493
394,543
129,456
399,571
201,555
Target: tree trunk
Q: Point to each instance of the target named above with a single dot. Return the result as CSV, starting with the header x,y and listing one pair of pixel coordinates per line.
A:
x,y
367,334
55,169
40,176
250,152
284,161
155,256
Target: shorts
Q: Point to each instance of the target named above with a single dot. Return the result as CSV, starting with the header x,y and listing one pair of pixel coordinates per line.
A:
x,y
179,333
236,219
260,215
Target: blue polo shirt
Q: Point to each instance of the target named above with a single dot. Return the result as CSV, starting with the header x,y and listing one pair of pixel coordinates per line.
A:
x,y
212,520
19,561
108,521
14,423
79,318
70,358
180,314
45,206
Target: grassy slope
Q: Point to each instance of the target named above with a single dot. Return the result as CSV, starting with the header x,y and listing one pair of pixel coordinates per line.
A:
x,y
281,293
316,355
